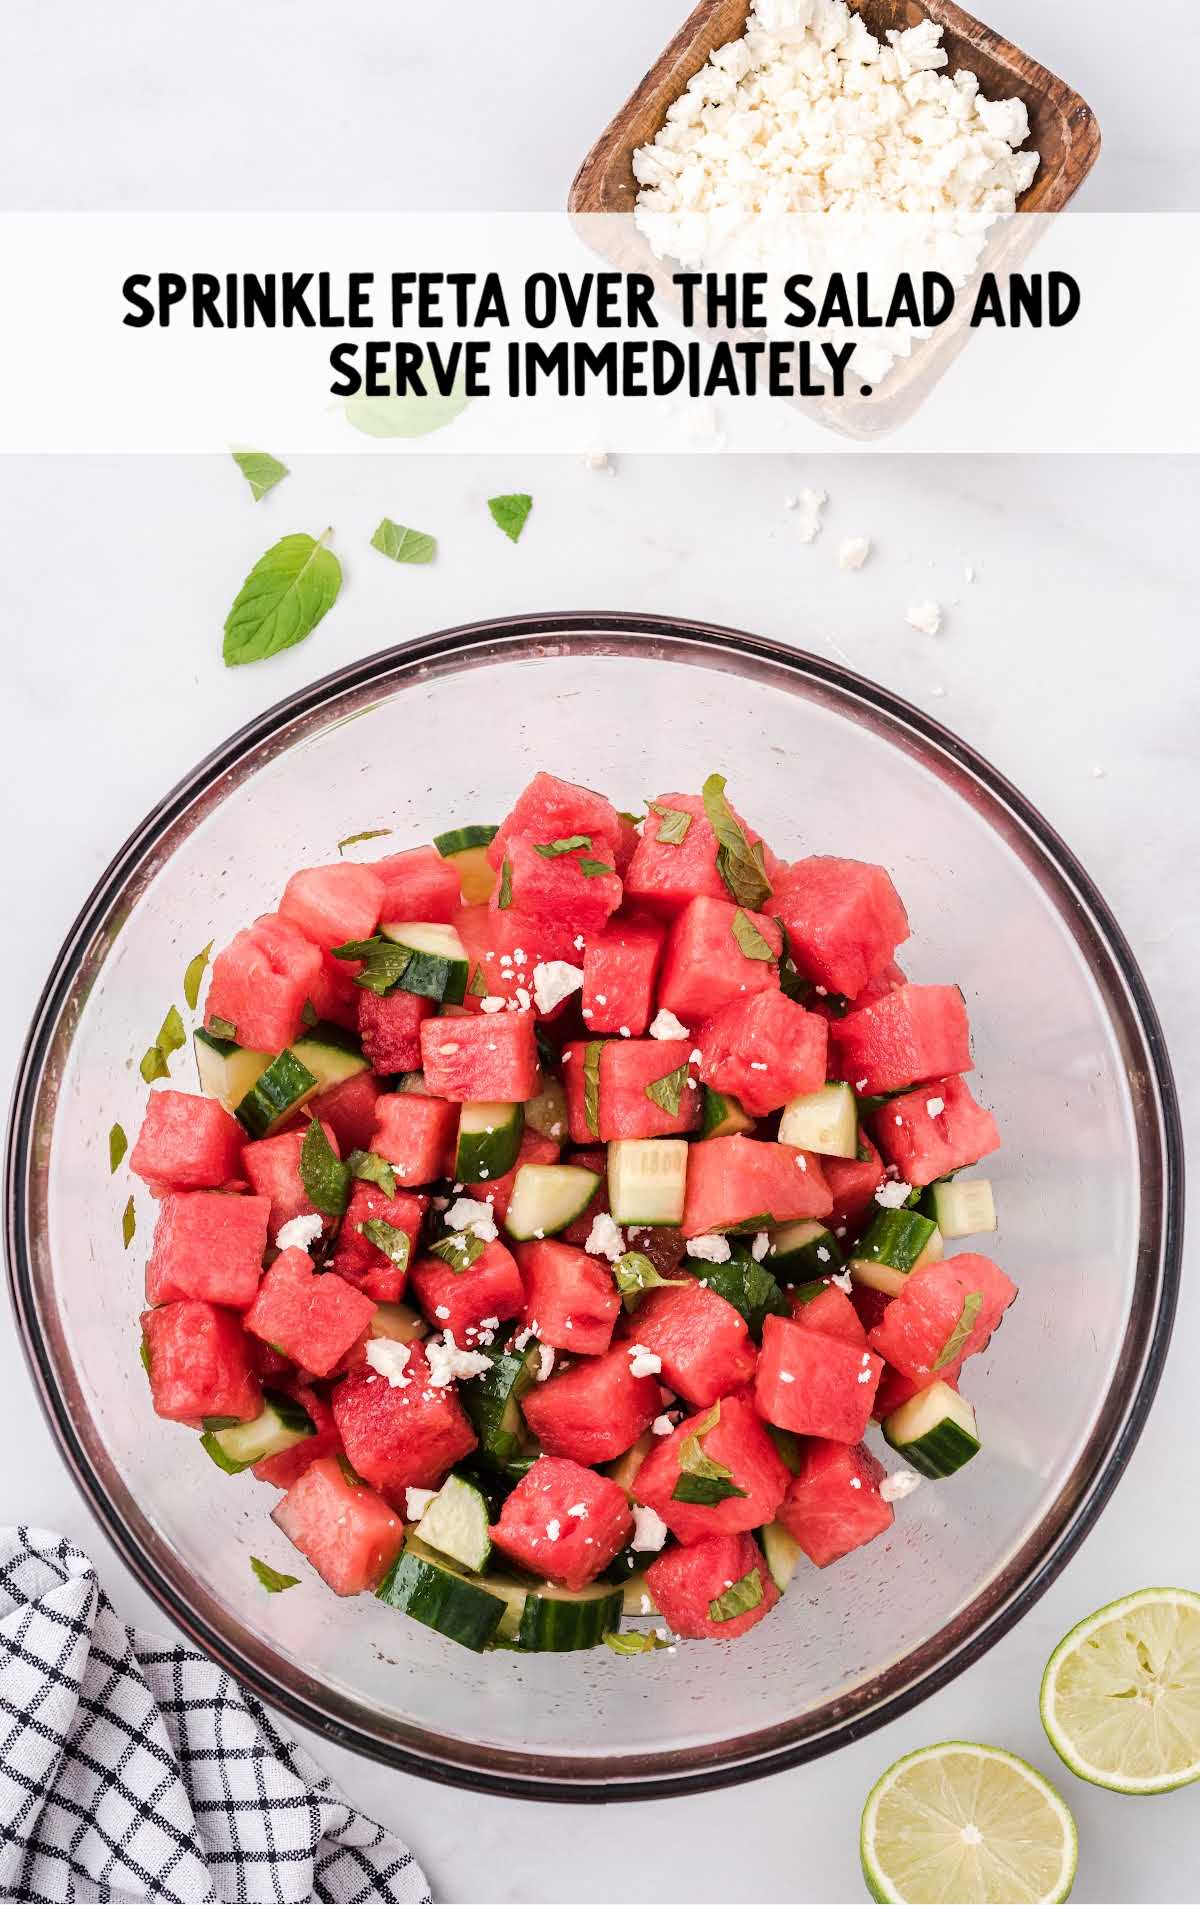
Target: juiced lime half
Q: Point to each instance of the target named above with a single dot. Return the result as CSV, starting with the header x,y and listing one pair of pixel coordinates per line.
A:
x,y
966,1825
1121,1694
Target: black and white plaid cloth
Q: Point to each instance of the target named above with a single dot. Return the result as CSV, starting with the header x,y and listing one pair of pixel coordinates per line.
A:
x,y
133,1769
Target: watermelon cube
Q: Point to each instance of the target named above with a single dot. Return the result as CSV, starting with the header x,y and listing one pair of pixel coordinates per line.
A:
x,y
571,1300
853,1183
704,964
348,1532
869,1308
401,1435
666,876
945,1310
686,1583
462,1301
833,1505
763,1049
334,995
737,1441
332,904
390,1029
844,920
620,967
417,1135
550,809
534,1150
560,887
490,1060
271,1366
418,885
289,1465
913,1033
210,1245
894,1389
187,1143
701,1341
813,1384
199,1364
361,1262
928,1133
349,1109
313,1319
262,982
628,842
831,1313
273,1167
594,1410
627,1068
541,1529
745,1182
504,945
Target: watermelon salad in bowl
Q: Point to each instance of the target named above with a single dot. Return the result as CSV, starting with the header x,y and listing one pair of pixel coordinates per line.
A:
x,y
576,1220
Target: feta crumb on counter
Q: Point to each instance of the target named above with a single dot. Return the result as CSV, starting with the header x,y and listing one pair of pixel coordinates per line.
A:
x,y
926,617
853,552
894,1488
299,1232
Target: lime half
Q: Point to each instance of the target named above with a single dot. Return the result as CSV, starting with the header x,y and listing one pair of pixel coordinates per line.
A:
x,y
966,1825
1121,1694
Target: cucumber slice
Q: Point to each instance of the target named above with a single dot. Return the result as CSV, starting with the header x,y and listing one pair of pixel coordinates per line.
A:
x,y
624,1469
548,1197
902,1239
781,1554
330,1053
276,1094
435,1593
226,1070
437,968
412,1081
636,1598
466,848
935,1431
964,1207
398,1323
489,1138
237,1446
547,1113
647,1178
801,1252
558,1620
824,1121
493,1403
456,1524
878,1276
722,1116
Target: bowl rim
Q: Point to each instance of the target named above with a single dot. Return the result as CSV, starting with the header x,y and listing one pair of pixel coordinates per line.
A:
x,y
1064,1523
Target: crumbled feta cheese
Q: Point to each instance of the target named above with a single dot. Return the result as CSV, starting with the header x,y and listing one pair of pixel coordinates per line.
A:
x,y
760,1246
925,616
553,1529
597,460
661,1425
757,1065
666,1025
853,552
643,1361
843,1280
442,1313
416,1501
553,982
894,1488
448,1363
785,1375
695,1056
855,1481
649,1530
468,1213
579,942
709,1249
492,1004
579,1510
299,1232
624,1032
935,1106
545,1361
523,1000
893,1196
390,1360
521,1339
604,1239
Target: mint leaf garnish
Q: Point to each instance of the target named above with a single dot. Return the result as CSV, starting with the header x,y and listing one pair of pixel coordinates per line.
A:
x,y
635,1273
504,896
750,940
118,1144
355,839
260,470
667,1093
325,1177
510,513
193,976
478,986
171,1038
738,1599
373,1169
673,823
459,1248
631,1642
384,962
128,1224
270,1578
739,864
591,868
591,1085
394,1242
221,1028
972,1304
552,848
701,1480
282,599
403,545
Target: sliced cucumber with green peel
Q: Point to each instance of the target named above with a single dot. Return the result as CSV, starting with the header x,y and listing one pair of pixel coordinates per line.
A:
x,y
489,1138
935,1431
493,1403
800,1252
901,1239
466,848
331,1054
824,1121
227,1071
781,1554
237,1446
276,1095
548,1197
558,1620
637,1600
547,1113
878,1276
624,1469
962,1207
456,1524
437,967
722,1116
413,1082
398,1323
435,1593
647,1179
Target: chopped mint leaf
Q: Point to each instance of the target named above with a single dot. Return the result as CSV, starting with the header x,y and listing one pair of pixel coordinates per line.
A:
x,y
750,940
591,1085
478,986
282,599
373,1169
635,1273
118,1144
504,896
128,1223
308,1013
739,864
631,1642
352,1475
804,1293
667,1093
394,1242
634,820
510,513
554,847
194,975
171,1035
972,1304
673,824
356,839
270,1578
384,962
144,1354
260,470
591,868
153,1065
459,1248
325,1177
221,1028
701,1480
738,1599
403,545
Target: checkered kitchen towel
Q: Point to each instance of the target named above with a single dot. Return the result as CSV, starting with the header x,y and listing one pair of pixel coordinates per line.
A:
x,y
133,1769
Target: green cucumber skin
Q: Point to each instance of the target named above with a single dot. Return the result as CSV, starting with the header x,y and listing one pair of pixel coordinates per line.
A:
x,y
295,1424
895,1238
452,1606
491,1402
942,1452
483,1156
432,977
282,1088
551,1626
463,840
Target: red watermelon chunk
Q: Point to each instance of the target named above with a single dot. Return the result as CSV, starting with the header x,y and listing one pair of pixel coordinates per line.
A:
x,y
894,1390
763,1049
830,1314
399,1436
626,1068
928,1133
313,1319
813,1384
684,1583
737,1441
347,1531
869,1307
704,966
417,885
666,876
833,1505
332,904
462,1301
913,1033
262,982
491,1059
736,1181
199,1364
289,1465
417,1135
564,1522
560,887
594,1410
534,1150
628,841
390,1029
844,920
334,995
701,1341
921,1323
187,1143
571,1300
853,1183
360,1261
504,945
349,1109
273,1168
210,1245
551,809
271,1366
620,967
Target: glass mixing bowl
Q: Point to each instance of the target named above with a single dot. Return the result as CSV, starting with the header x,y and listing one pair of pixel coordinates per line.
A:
x,y
1069,1055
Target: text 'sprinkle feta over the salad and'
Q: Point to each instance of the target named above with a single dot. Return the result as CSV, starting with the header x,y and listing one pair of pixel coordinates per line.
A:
x,y
564,1204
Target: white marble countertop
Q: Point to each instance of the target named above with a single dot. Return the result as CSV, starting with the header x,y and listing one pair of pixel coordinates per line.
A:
x,y
1070,662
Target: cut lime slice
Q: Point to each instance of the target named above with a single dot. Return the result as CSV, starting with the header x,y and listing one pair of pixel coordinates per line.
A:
x,y
957,1824
1121,1694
